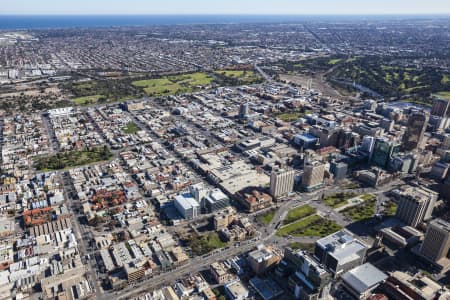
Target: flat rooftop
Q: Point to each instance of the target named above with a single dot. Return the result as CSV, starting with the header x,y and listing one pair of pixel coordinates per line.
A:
x,y
364,277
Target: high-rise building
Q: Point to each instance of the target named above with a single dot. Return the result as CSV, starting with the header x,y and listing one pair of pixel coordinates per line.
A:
x,y
383,151
436,245
416,126
440,107
313,173
243,110
339,170
281,183
415,205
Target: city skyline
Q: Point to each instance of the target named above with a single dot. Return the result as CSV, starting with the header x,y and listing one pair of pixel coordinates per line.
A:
x,y
232,7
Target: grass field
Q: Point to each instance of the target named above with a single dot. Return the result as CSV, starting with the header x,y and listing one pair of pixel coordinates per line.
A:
x,y
338,200
73,158
174,84
289,117
391,208
302,246
422,102
202,244
361,212
299,213
131,128
445,95
101,91
312,225
267,217
351,185
86,100
334,61
238,77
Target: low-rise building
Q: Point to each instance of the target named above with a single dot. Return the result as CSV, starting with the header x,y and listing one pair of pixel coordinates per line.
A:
x,y
340,252
263,259
362,280
236,291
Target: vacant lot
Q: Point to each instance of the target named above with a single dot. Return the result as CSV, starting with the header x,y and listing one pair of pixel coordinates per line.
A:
x,y
176,84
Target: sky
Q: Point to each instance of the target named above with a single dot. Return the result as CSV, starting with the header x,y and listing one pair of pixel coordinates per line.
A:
x,y
270,7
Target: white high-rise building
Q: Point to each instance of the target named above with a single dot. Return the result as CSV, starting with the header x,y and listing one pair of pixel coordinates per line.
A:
x,y
281,182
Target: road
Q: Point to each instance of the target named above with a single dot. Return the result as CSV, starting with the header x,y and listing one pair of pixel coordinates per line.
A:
x,y
264,74
81,233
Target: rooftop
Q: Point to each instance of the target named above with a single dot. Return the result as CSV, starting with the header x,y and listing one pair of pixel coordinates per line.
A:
x,y
364,277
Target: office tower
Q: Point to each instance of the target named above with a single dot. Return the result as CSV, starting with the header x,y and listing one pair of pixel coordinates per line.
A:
x,y
440,107
367,144
243,110
416,205
415,129
436,244
339,170
313,173
383,151
281,183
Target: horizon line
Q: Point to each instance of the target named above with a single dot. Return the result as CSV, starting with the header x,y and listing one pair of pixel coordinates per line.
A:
x,y
227,14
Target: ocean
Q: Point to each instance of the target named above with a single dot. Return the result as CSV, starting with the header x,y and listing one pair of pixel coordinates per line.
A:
x,y
16,22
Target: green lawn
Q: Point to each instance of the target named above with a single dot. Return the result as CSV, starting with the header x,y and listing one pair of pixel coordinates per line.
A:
x,y
338,200
267,217
351,185
302,246
238,77
131,128
423,102
299,213
334,61
289,117
391,208
367,197
174,84
86,100
363,211
202,244
445,79
445,95
72,158
313,225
